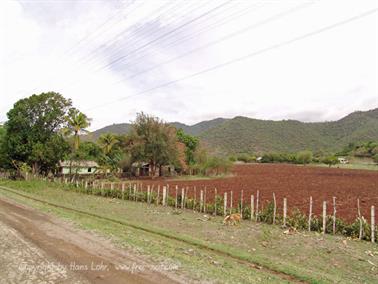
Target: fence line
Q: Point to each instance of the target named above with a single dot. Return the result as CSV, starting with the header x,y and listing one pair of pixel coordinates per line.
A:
x,y
145,193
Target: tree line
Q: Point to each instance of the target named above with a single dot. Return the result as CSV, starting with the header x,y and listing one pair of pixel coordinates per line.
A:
x,y
44,129
359,150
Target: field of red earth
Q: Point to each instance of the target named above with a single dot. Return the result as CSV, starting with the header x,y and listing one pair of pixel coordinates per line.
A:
x,y
296,183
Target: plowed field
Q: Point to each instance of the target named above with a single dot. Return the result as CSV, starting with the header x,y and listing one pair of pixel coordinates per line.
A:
x,y
297,184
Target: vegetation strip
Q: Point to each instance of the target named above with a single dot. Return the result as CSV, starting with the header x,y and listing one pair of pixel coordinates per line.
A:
x,y
240,258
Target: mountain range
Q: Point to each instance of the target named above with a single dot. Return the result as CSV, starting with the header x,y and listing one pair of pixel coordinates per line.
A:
x,y
247,135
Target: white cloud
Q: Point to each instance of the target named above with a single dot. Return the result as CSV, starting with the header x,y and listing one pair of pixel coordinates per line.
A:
x,y
320,78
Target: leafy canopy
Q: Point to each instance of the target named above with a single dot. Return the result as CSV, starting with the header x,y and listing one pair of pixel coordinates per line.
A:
x,y
33,132
77,122
191,144
153,141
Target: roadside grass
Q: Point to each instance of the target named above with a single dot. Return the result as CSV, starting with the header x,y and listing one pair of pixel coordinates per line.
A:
x,y
193,263
309,256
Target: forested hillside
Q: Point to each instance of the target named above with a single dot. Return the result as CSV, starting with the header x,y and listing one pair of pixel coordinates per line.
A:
x,y
242,134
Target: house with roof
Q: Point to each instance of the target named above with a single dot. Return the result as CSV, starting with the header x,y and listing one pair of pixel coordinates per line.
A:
x,y
78,167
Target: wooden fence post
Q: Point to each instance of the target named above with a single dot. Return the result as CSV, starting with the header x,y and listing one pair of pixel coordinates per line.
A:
x,y
167,195
176,196
182,197
123,191
241,203
257,206
148,194
158,196
334,215
252,206
86,184
225,204
359,218
310,215
201,200
152,193
372,224
195,199
215,202
274,208
284,211
135,192
324,216
186,195
164,195
204,202
231,200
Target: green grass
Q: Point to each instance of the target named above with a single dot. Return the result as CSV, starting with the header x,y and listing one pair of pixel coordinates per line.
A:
x,y
353,166
309,256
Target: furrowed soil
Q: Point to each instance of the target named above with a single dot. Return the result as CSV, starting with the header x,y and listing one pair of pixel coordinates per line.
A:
x,y
296,183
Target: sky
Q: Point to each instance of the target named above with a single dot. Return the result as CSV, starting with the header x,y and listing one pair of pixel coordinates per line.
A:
x,y
193,60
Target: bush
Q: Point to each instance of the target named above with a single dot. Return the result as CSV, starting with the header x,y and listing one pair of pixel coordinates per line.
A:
x,y
246,158
375,158
304,157
297,220
330,160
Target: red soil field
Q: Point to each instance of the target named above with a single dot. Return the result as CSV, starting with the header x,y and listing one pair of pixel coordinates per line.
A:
x,y
297,184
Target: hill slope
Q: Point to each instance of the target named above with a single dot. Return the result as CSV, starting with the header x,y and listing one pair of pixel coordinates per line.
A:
x,y
242,134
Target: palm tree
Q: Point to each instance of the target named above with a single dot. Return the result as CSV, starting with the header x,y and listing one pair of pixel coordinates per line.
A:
x,y
77,124
107,142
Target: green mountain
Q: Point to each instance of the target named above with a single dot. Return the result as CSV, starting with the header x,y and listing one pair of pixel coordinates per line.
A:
x,y
242,134
116,128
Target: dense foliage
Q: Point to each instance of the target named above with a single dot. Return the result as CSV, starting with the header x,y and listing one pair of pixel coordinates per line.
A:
x,y
191,143
33,133
154,141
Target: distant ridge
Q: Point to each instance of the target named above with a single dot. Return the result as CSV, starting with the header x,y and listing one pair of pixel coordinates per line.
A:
x,y
243,134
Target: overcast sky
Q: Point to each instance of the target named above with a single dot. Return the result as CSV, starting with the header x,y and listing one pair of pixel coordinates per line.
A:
x,y
189,61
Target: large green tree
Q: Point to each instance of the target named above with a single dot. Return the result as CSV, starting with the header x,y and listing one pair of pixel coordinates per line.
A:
x,y
33,132
191,144
2,154
154,141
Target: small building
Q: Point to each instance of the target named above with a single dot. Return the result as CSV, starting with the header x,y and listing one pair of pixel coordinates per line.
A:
x,y
78,167
342,160
144,169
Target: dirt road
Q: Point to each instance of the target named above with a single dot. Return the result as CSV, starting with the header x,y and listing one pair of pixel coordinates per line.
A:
x,y
38,248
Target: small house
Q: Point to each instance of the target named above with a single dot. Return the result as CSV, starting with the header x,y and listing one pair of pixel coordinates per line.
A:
x,y
78,167
342,160
144,169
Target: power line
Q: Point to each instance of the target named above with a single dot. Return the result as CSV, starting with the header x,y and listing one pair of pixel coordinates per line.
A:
x,y
166,34
249,55
224,38
104,46
134,32
96,30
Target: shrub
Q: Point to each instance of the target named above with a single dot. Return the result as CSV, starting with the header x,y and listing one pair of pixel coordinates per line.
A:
x,y
246,158
304,157
330,160
297,219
